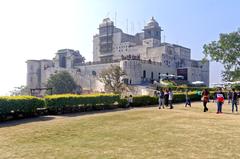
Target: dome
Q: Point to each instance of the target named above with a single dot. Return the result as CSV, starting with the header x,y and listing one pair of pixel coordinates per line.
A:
x,y
105,22
153,22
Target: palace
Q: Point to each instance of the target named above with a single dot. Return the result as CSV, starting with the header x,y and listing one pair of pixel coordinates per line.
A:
x,y
143,56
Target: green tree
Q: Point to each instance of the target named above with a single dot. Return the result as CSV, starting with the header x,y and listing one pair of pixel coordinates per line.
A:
x,y
226,51
112,78
21,90
61,83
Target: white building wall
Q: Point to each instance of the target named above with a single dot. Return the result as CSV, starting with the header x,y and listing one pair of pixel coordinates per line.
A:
x,y
33,73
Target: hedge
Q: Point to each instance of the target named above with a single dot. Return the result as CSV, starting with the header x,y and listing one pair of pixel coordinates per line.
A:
x,y
16,105
144,101
191,89
73,103
177,98
66,103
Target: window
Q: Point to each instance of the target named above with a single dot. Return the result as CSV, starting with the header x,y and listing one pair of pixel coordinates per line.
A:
x,y
151,75
144,74
94,73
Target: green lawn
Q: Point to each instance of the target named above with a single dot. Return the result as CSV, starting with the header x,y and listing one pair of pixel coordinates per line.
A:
x,y
142,133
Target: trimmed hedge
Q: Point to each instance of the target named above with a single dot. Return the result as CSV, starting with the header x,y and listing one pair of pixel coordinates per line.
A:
x,y
180,97
184,88
177,98
66,103
20,105
74,103
144,101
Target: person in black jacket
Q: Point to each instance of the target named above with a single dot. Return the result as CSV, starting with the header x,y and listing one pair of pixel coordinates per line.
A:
x,y
166,97
234,100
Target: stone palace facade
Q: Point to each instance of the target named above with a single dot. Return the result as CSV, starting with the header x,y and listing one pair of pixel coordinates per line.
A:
x,y
143,56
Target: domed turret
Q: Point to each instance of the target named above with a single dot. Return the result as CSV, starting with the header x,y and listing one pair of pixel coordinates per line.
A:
x,y
153,23
106,22
152,30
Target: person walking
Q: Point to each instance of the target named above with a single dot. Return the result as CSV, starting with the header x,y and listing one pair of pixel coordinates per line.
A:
x,y
229,96
161,99
166,97
170,98
219,99
188,101
234,100
205,99
130,101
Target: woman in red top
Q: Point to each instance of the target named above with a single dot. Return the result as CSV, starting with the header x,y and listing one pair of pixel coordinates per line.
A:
x,y
220,100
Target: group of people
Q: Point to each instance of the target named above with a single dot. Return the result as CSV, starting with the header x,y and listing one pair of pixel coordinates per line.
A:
x,y
219,98
166,99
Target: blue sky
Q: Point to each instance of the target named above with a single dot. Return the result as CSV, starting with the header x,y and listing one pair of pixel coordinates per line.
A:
x,y
36,29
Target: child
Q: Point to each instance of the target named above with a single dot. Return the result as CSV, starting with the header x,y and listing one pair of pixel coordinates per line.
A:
x,y
188,101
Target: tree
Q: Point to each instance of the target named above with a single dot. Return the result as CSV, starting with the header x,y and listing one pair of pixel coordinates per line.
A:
x,y
81,59
18,91
61,83
226,51
111,77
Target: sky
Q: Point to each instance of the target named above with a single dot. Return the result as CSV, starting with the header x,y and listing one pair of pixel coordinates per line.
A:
x,y
36,29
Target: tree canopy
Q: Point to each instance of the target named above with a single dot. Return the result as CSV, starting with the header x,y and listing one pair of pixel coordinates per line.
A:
x,y
21,90
111,77
61,83
226,51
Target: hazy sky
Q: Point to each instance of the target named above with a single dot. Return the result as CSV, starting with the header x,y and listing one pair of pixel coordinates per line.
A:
x,y
36,29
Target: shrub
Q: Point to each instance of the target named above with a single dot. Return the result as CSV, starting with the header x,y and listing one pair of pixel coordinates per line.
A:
x,y
16,105
61,103
144,100
122,103
180,97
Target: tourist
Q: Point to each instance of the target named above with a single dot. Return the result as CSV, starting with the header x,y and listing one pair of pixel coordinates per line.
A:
x,y
234,100
205,99
170,98
161,99
166,97
219,99
188,101
229,96
130,101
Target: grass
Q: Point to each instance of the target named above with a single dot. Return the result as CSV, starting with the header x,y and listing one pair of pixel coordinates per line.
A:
x,y
143,133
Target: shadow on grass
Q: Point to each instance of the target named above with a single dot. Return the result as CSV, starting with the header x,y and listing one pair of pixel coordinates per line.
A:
x,y
16,122
94,112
